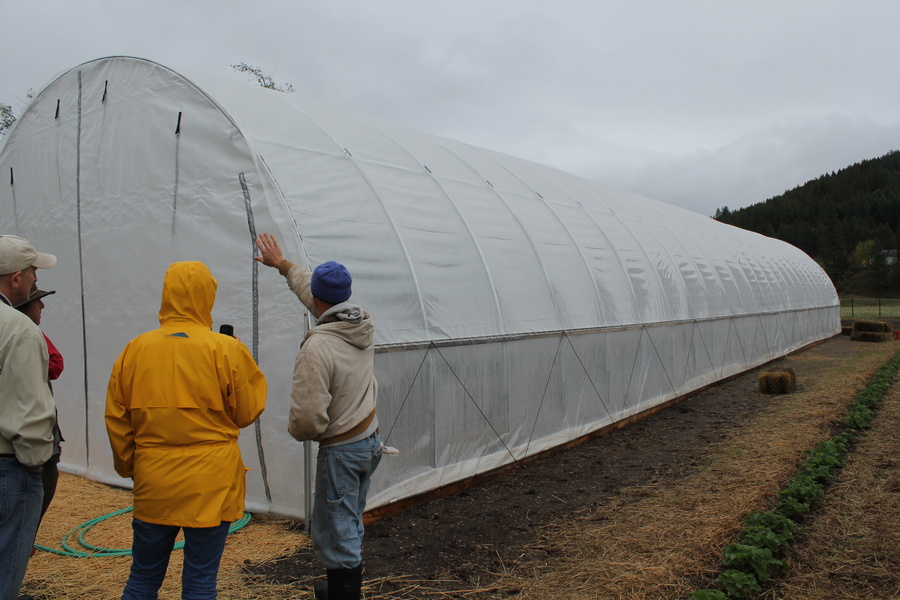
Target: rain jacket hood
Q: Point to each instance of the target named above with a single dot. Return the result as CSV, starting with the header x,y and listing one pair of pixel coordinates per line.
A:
x,y
188,294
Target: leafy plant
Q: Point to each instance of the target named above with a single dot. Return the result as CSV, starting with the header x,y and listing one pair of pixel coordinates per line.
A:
x,y
752,559
800,494
823,463
770,520
768,530
761,537
792,508
858,417
737,584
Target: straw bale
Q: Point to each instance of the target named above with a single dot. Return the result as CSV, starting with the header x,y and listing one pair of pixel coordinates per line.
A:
x,y
777,382
865,336
872,326
846,329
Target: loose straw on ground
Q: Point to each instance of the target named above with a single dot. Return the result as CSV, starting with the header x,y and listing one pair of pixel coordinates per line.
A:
x,y
102,578
660,541
668,542
852,548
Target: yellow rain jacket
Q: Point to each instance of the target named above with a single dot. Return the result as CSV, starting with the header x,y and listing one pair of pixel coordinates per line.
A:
x,y
176,401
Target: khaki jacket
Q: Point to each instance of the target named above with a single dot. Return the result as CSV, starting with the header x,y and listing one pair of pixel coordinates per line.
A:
x,y
334,387
27,408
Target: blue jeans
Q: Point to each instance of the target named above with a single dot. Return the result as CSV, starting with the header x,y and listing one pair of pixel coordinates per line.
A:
x,y
342,483
21,493
151,548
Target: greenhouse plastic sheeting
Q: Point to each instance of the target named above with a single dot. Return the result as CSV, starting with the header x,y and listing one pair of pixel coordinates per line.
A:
x,y
517,307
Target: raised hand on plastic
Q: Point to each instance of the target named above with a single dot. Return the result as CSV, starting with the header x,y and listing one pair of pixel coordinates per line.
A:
x,y
270,250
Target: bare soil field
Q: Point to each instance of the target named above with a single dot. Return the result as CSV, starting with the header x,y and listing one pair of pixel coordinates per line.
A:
x,y
641,512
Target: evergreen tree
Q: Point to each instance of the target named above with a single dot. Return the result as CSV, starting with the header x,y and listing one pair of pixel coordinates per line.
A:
x,y
877,275
829,216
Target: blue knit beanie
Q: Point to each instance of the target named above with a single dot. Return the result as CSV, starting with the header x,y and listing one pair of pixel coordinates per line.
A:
x,y
331,282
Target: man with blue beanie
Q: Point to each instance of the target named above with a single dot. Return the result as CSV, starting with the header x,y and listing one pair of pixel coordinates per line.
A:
x,y
333,403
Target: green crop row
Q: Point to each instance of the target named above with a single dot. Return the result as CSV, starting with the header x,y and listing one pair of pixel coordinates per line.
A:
x,y
754,560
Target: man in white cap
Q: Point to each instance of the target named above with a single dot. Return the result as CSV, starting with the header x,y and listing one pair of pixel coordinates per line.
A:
x,y
27,410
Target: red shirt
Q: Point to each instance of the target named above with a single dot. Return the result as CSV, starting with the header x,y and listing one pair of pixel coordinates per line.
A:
x,y
56,360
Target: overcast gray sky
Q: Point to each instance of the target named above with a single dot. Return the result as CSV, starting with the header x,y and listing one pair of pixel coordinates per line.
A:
x,y
698,103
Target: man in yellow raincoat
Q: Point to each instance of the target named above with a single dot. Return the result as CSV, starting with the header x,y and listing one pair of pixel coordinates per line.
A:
x,y
177,399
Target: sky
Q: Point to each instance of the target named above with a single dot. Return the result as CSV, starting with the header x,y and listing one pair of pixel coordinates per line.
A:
x,y
697,103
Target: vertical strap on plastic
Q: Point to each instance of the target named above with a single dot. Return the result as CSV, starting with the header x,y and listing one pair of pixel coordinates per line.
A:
x,y
251,225
177,163
87,403
12,186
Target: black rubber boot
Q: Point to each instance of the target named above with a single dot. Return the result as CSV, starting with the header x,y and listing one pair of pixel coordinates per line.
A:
x,y
320,588
344,584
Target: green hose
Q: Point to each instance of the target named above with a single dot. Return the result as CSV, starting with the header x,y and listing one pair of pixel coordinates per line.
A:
x,y
92,550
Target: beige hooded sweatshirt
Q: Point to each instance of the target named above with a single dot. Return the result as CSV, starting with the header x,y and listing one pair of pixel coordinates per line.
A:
x,y
335,391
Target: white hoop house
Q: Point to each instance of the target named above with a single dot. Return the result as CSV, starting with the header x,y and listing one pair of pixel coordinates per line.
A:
x,y
517,307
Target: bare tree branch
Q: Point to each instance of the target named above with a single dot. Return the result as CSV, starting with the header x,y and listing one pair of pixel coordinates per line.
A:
x,y
262,79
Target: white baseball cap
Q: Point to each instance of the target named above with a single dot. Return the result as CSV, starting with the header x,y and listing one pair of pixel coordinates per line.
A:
x,y
17,254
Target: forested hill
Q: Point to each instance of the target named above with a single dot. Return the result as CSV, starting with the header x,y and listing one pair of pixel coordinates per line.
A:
x,y
848,221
